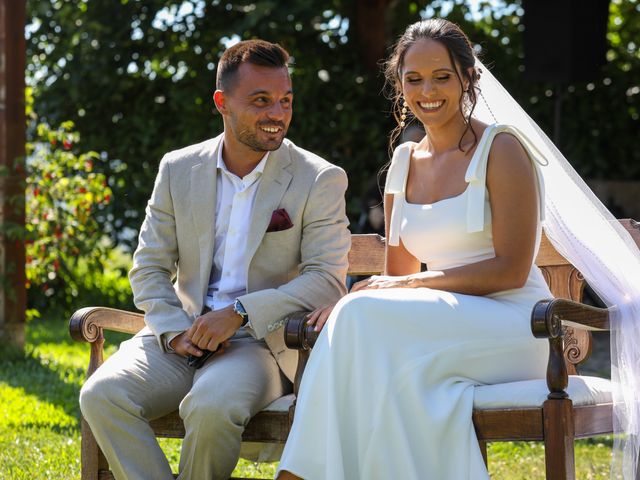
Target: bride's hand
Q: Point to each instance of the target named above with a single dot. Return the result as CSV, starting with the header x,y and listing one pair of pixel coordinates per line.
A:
x,y
381,281
319,316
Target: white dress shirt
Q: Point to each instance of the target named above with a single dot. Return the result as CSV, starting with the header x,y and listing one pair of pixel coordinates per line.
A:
x,y
235,197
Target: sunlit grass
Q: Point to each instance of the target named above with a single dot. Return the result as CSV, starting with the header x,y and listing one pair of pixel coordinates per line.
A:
x,y
39,419
525,460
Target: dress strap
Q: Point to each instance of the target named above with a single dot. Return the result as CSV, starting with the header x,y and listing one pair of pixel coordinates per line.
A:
x,y
396,185
476,175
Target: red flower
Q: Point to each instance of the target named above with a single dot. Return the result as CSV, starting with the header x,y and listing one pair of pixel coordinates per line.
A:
x,y
82,190
36,192
88,165
56,265
67,144
54,142
107,198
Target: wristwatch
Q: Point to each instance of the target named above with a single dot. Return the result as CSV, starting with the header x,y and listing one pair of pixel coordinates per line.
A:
x,y
239,309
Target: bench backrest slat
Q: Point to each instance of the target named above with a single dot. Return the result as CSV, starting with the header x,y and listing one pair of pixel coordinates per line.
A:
x,y
366,256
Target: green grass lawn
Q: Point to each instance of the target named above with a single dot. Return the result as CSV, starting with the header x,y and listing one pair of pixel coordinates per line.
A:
x,y
40,433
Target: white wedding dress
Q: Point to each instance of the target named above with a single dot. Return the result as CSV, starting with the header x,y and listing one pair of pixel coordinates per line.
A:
x,y
388,390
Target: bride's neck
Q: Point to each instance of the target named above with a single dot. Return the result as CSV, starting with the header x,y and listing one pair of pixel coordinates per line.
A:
x,y
446,137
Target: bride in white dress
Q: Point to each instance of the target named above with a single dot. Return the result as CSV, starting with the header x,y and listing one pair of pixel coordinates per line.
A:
x,y
388,390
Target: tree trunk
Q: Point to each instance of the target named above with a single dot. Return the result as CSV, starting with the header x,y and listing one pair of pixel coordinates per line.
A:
x,y
12,173
371,31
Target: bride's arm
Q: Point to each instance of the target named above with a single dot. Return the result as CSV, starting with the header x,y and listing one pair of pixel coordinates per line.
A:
x,y
511,183
397,260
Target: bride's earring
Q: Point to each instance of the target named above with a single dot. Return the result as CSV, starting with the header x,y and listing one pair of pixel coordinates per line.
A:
x,y
403,116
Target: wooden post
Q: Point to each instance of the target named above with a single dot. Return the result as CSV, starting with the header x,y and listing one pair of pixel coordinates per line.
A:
x,y
12,171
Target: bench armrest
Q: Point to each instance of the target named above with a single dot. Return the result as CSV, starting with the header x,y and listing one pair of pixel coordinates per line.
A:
x,y
299,336
547,320
87,325
548,316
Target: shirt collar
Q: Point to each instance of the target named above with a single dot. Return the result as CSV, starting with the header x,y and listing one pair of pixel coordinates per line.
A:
x,y
259,169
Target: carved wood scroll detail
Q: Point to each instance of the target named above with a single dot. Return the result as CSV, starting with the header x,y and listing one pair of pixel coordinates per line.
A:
x,y
547,277
565,281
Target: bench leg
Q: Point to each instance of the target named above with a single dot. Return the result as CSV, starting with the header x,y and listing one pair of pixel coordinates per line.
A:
x,y
91,457
559,434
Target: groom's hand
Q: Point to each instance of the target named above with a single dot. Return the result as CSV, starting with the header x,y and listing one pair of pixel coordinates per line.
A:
x,y
213,328
182,345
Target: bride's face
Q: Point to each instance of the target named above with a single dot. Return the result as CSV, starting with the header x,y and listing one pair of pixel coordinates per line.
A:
x,y
430,84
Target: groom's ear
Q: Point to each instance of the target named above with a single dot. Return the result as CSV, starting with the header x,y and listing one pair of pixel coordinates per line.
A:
x,y
219,100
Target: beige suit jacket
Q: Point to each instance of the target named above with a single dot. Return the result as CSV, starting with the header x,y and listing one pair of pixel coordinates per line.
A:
x,y
301,268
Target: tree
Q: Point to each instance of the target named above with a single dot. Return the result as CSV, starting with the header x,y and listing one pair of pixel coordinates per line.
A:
x,y
136,77
64,194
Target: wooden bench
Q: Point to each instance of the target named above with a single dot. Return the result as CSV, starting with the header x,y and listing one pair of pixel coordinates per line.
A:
x,y
556,411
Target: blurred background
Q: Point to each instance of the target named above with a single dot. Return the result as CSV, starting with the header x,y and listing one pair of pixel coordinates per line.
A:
x,y
94,92
113,85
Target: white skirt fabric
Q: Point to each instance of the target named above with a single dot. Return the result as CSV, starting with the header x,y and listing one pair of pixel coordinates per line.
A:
x,y
388,390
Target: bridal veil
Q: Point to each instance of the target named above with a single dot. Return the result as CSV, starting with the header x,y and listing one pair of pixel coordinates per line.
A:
x,y
582,229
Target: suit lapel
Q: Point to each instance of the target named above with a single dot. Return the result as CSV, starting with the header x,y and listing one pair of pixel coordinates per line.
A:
x,y
202,195
273,185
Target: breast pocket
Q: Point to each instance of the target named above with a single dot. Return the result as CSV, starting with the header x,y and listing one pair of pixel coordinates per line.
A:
x,y
281,245
285,236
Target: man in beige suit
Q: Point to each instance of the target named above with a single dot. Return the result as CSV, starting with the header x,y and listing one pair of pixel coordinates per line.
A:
x,y
247,225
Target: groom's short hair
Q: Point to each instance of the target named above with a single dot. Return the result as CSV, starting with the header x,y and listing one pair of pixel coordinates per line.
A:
x,y
257,52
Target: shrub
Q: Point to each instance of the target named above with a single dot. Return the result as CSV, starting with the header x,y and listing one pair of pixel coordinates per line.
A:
x,y
66,250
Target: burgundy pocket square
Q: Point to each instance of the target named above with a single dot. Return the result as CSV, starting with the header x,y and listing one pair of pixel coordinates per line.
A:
x,y
279,221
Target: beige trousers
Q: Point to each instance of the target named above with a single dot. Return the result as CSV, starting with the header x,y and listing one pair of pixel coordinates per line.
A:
x,y
140,382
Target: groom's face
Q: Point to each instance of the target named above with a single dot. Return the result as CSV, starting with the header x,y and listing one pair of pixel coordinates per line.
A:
x,y
258,108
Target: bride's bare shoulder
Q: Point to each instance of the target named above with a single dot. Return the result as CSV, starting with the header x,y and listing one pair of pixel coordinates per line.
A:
x,y
508,159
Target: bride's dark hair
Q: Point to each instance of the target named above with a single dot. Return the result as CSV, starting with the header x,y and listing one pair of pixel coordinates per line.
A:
x,y
461,56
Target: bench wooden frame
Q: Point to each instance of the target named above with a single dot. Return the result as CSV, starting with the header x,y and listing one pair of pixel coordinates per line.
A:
x,y
558,422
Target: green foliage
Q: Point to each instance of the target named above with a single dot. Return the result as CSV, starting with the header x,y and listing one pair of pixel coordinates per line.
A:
x,y
138,86
137,79
67,254
108,286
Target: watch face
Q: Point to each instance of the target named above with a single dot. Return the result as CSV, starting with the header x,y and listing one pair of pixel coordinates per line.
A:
x,y
239,309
